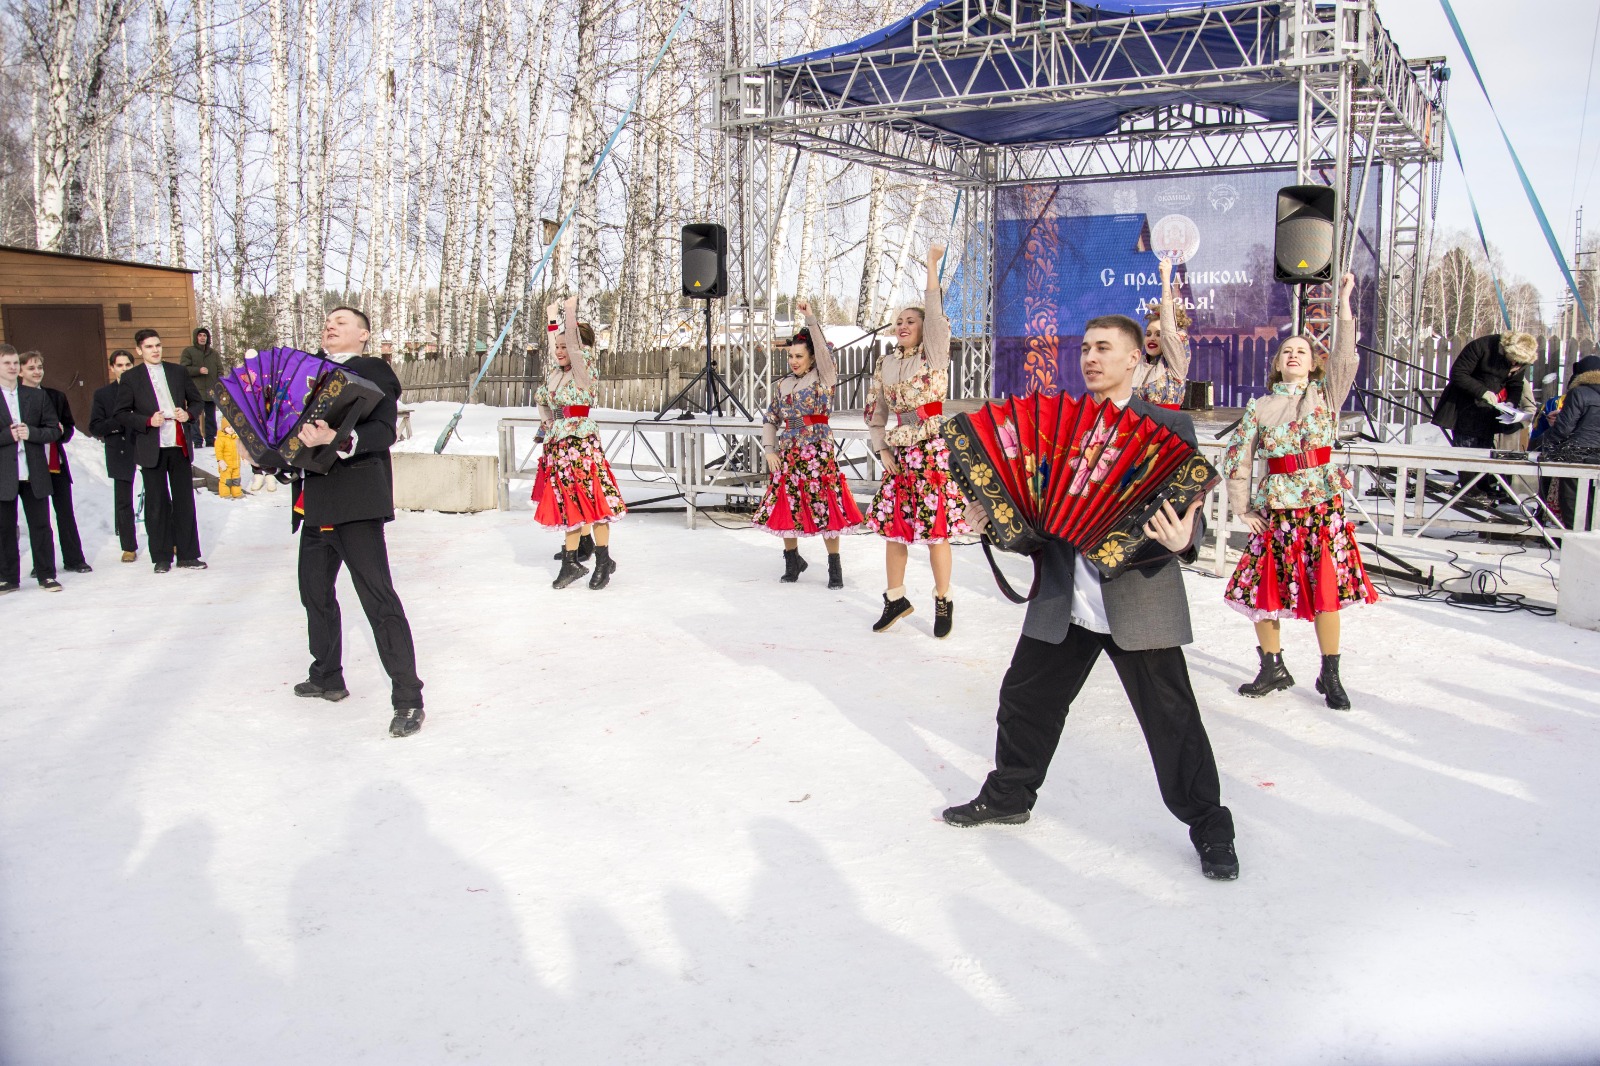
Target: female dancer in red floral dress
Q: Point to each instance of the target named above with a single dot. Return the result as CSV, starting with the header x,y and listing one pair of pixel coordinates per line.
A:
x,y
807,496
574,489
1160,378
917,502
1302,560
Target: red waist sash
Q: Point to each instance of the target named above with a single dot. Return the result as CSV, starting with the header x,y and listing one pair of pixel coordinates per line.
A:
x,y
921,414
1290,464
814,420
1171,406
577,410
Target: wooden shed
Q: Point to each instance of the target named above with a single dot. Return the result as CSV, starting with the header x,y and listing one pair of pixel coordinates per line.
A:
x,y
77,309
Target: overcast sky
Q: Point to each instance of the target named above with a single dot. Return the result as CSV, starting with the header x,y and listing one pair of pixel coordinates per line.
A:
x,y
1535,59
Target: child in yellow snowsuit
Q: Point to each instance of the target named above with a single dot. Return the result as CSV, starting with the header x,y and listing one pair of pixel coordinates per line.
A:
x,y
228,481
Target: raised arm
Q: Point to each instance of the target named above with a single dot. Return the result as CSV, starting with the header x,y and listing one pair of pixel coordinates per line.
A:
x,y
581,375
827,369
1340,375
1174,345
935,327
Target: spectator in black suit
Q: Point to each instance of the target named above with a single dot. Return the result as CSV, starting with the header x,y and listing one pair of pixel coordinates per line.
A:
x,y
155,404
121,467
341,515
29,422
72,559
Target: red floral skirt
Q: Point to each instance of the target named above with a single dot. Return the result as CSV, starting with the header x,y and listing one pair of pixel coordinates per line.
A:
x,y
808,496
920,504
574,486
1306,563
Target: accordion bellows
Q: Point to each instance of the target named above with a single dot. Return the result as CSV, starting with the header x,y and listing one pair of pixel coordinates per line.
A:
x,y
1086,472
269,396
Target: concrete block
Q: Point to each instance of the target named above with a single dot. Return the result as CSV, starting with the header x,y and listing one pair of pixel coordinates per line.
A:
x,y
1578,602
452,483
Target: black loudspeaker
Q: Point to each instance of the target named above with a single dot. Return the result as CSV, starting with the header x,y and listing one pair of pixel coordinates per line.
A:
x,y
705,260
1302,245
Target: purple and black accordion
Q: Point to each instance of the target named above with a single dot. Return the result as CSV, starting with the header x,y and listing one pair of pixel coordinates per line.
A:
x,y
273,393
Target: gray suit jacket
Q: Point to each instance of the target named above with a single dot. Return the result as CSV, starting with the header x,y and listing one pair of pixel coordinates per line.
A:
x,y
1145,604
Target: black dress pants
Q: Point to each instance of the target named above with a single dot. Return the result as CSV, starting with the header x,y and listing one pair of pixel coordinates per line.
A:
x,y
66,521
169,518
1038,691
127,528
361,547
208,423
37,511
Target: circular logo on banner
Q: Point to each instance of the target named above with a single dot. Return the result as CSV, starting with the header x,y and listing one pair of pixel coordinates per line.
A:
x,y
1223,197
1175,238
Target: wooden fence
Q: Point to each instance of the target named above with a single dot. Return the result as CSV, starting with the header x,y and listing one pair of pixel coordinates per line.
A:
x,y
644,381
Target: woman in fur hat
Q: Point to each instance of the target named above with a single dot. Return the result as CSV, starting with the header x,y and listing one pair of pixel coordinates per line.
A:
x,y
1489,371
1160,378
574,490
1302,560
807,495
917,502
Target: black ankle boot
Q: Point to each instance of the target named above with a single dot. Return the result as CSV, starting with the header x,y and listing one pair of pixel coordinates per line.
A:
x,y
1328,683
792,565
944,615
1272,677
571,570
585,549
893,611
835,572
604,567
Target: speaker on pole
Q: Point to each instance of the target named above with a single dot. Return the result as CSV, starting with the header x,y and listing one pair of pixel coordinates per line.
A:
x,y
705,260
1302,245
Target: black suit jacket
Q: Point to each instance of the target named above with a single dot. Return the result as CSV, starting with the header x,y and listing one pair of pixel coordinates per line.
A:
x,y
136,402
103,424
69,428
360,484
39,414
1146,603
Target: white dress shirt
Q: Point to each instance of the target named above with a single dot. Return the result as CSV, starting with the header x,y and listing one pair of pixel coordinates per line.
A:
x,y
169,428
14,405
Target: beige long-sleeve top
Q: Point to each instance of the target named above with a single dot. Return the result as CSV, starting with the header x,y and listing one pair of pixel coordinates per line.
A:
x,y
1161,381
808,394
906,380
572,387
1291,420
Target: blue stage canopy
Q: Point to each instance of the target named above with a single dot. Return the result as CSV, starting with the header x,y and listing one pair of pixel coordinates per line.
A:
x,y
1248,39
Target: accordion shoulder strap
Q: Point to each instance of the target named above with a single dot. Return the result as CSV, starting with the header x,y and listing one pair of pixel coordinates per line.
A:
x,y
1000,579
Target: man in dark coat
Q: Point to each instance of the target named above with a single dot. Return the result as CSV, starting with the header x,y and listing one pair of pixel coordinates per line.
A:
x,y
72,558
204,366
29,423
1139,618
341,517
1575,435
121,467
157,404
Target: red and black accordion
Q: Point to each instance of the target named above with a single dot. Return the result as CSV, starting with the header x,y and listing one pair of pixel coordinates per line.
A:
x,y
273,393
1085,472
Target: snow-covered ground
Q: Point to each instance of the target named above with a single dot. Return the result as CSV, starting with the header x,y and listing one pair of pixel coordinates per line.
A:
x,y
695,819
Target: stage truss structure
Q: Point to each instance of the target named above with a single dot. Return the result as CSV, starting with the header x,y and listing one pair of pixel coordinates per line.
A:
x,y
1362,107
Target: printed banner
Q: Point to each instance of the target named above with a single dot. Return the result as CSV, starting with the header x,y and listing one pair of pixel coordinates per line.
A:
x,y
1068,252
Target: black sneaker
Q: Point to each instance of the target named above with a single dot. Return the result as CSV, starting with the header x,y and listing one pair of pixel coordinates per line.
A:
x,y
49,584
79,568
162,568
976,813
893,611
407,720
312,690
944,611
191,564
1218,861
8,586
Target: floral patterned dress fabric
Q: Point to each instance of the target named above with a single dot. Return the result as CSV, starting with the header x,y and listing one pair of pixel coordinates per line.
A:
x,y
574,485
1306,562
807,495
920,504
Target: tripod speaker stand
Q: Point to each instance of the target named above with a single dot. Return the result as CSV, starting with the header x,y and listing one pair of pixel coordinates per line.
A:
x,y
716,386
705,277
